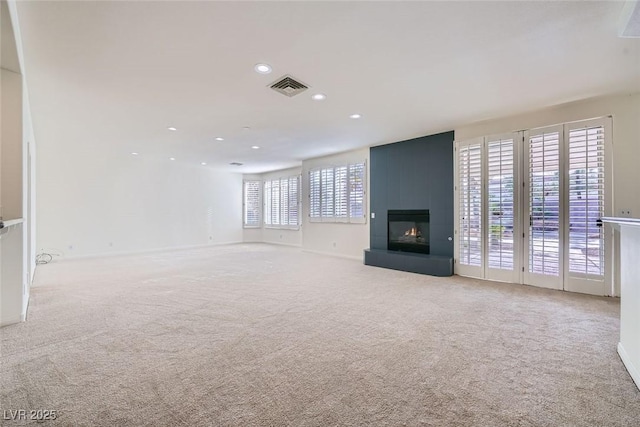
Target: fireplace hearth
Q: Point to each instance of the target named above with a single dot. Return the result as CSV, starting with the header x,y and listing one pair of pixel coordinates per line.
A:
x,y
408,230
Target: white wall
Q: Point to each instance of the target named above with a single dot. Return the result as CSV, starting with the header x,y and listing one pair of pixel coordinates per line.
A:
x,y
94,202
11,145
347,240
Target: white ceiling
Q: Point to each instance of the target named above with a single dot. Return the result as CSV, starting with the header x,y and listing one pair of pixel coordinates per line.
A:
x,y
112,76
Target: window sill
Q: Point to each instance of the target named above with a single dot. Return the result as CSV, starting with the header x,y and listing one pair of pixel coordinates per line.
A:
x,y
337,221
281,227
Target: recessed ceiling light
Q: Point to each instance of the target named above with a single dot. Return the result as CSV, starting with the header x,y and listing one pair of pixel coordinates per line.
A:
x,y
262,68
219,139
134,153
319,97
172,158
255,147
355,116
204,163
172,128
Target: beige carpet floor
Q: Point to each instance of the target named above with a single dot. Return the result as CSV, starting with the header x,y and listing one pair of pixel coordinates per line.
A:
x,y
259,335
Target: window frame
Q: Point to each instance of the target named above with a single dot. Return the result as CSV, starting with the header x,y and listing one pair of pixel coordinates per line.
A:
x,y
284,198
342,193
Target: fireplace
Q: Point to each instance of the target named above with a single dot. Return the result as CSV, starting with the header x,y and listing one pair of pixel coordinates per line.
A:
x,y
408,231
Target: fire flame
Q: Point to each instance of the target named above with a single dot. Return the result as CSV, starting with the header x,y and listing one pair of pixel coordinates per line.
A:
x,y
411,232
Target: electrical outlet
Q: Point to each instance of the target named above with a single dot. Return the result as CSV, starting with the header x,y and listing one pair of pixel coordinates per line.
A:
x,y
373,215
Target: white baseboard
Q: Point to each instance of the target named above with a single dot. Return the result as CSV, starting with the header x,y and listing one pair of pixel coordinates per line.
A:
x,y
626,360
150,251
333,254
267,242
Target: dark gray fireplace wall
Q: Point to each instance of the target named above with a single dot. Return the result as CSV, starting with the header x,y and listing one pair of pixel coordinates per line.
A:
x,y
414,174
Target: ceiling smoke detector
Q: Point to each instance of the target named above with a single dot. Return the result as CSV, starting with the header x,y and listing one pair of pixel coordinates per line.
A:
x,y
289,86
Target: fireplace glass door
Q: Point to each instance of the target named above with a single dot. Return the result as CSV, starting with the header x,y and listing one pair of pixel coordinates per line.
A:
x,y
408,231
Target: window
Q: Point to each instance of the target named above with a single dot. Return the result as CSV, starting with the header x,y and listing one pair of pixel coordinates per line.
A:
x,y
282,202
336,194
251,206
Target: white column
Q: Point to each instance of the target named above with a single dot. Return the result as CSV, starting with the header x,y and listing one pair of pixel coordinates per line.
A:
x,y
629,345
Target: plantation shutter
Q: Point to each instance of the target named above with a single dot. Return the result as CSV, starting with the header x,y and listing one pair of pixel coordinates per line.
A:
x,y
529,207
314,195
294,201
470,204
356,191
275,202
336,194
267,203
544,203
284,201
586,199
328,194
340,210
252,203
500,191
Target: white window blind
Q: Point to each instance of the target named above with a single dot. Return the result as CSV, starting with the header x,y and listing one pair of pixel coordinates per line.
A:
x,y
586,200
544,203
356,191
314,194
327,185
267,203
470,204
282,202
252,204
340,203
337,194
293,207
500,199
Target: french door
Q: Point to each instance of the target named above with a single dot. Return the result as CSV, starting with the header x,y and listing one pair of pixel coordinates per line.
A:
x,y
543,207
529,206
488,222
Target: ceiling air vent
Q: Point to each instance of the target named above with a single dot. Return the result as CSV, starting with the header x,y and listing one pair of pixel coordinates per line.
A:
x,y
235,164
289,86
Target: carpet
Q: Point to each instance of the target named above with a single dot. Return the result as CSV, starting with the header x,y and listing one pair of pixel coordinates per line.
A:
x,y
262,335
